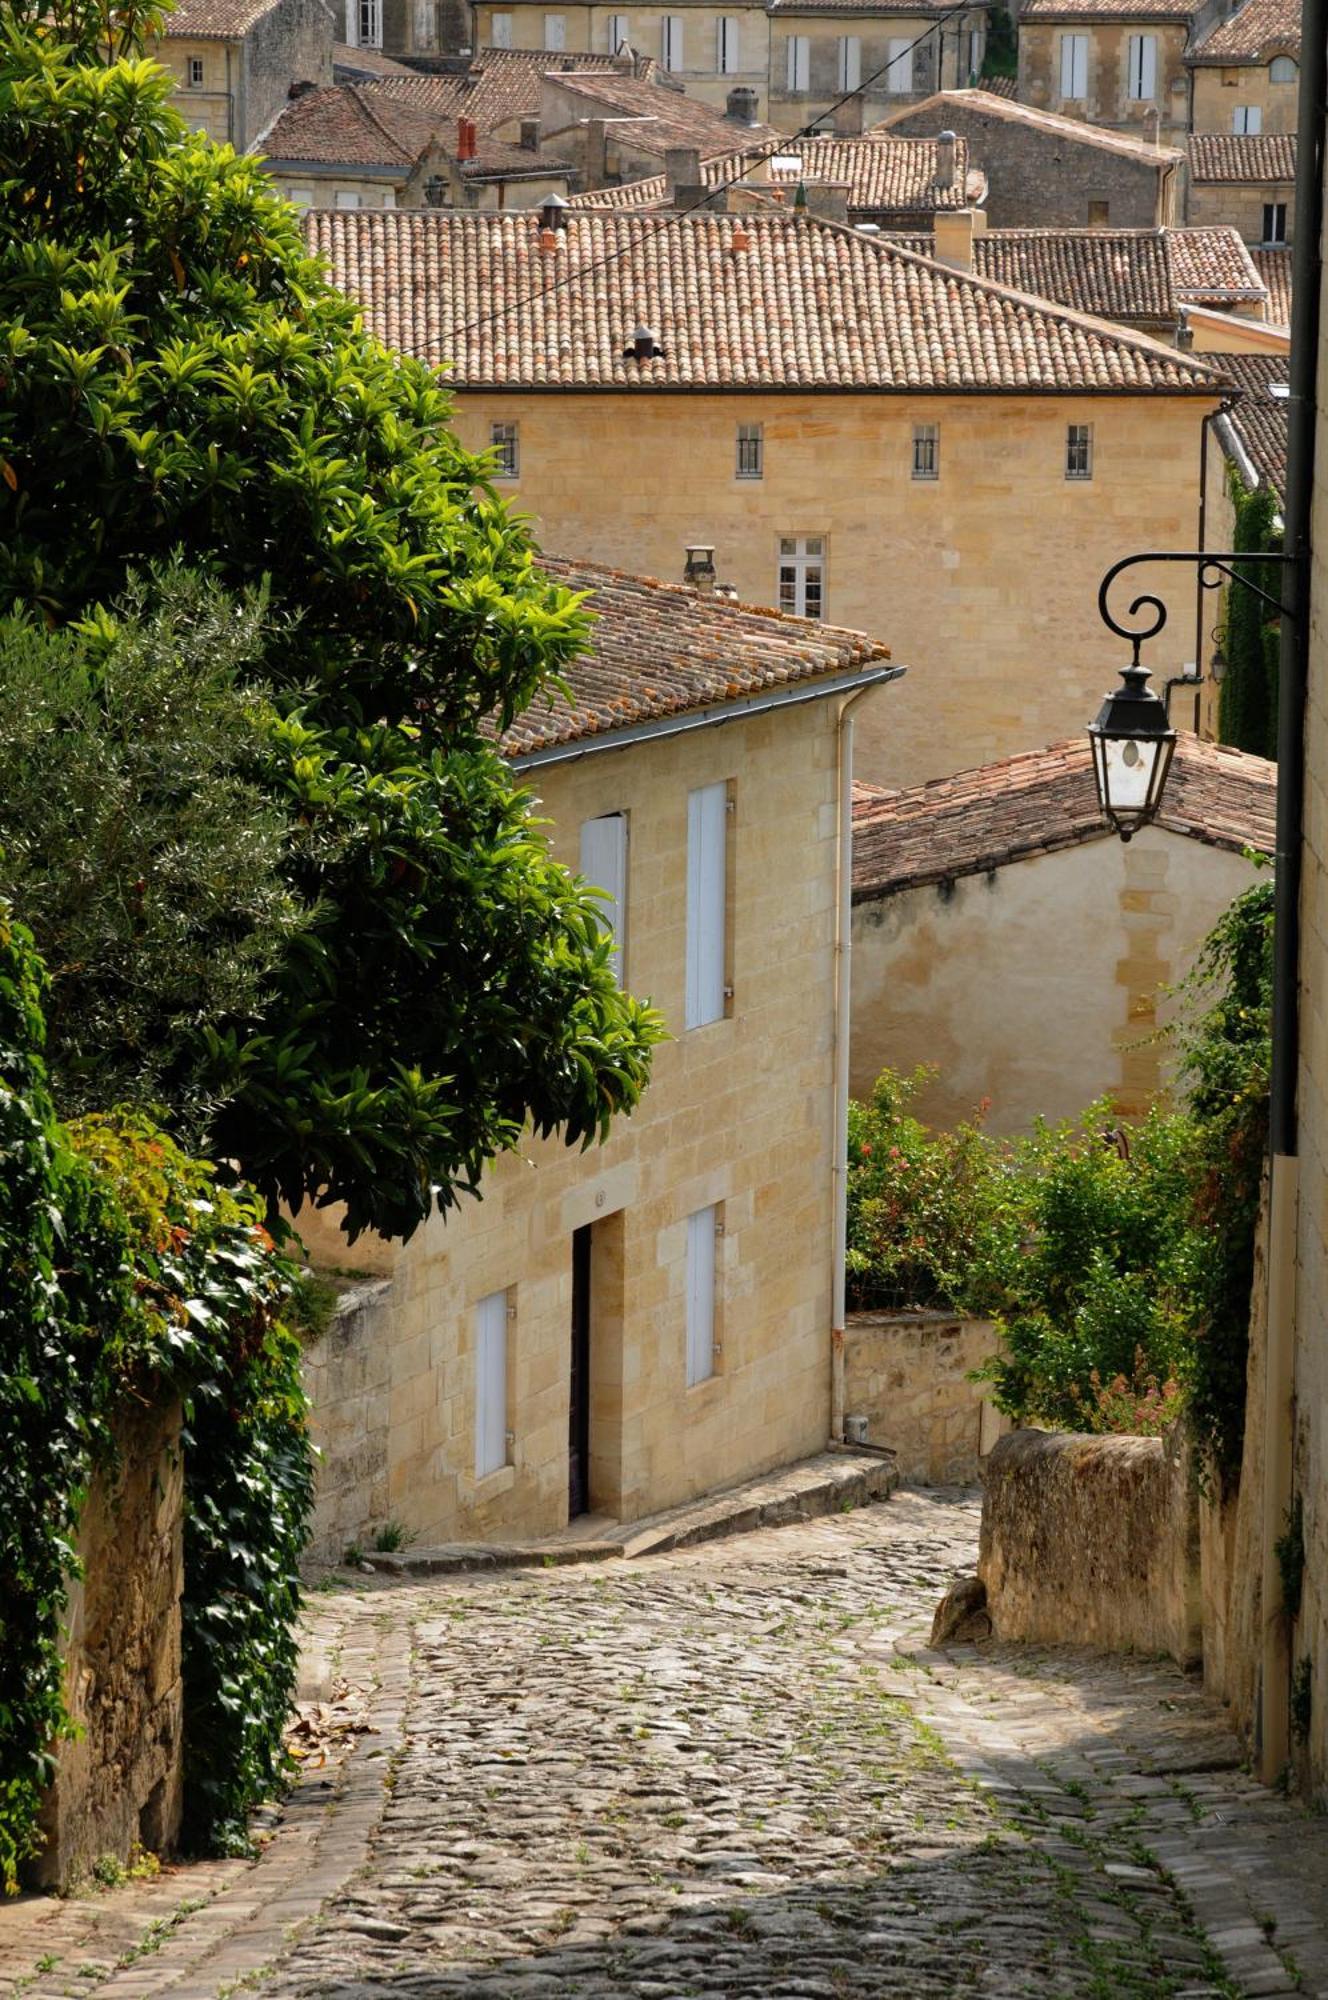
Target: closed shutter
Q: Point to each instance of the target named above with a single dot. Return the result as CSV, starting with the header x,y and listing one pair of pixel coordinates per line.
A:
x,y
555,31
490,1384
604,863
728,63
850,62
707,825
1143,68
671,36
700,1296
501,31
1074,66
899,74
799,62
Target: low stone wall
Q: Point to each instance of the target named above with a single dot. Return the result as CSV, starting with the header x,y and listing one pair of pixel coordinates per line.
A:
x,y
1092,1541
118,1784
348,1376
908,1375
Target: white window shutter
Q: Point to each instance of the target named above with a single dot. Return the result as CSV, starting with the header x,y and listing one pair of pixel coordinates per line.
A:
x,y
850,62
604,863
555,31
700,1296
707,828
490,1384
1148,67
1074,66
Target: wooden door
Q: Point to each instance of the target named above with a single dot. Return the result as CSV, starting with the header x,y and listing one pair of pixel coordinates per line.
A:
x,y
578,1416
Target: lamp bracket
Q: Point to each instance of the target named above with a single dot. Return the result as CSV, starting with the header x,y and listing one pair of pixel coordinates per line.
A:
x,y
1214,567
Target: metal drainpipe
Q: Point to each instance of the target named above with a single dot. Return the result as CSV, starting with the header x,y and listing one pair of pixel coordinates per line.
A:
x,y
843,957
1274,1737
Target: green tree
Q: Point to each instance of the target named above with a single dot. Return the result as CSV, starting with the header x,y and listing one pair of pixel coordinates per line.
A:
x,y
1247,704
179,375
1001,57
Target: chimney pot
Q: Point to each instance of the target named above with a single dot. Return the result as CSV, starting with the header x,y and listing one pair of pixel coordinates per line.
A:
x,y
645,344
548,242
553,212
945,160
699,571
739,240
740,105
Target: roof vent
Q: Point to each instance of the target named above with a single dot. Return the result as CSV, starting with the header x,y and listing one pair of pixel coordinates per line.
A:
x,y
548,242
945,160
553,212
645,345
739,241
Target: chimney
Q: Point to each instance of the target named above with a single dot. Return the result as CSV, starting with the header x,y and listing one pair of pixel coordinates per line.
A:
x,y
682,176
1153,125
827,200
553,212
848,117
955,229
645,345
700,569
466,137
945,160
740,105
530,131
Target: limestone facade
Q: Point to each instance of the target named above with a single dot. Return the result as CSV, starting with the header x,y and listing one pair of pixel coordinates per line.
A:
x,y
910,1376
233,85
1230,97
737,1125
985,577
1051,77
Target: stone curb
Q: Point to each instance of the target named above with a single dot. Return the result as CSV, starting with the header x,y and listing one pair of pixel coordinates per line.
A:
x,y
798,1494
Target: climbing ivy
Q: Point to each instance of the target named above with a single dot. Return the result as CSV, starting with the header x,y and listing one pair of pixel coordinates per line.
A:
x,y
129,1272
1247,705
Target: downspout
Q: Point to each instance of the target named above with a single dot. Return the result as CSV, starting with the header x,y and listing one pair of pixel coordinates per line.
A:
x,y
843,958
1274,1733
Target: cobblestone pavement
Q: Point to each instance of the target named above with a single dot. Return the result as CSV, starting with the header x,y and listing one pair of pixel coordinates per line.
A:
x,y
736,1772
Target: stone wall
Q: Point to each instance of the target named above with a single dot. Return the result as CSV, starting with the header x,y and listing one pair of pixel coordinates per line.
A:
x,y
1043,179
1092,1541
1108,101
348,1376
118,1784
908,1374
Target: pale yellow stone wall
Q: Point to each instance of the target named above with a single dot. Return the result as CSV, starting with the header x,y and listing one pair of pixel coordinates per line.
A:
x,y
910,1375
739,1114
1229,333
983,582
1108,57
587,28
1310,1640
1037,986
297,187
1240,206
790,111
205,107
1218,93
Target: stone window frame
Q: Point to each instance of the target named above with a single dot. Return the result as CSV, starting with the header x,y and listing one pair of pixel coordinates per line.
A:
x,y
1079,451
749,452
1276,213
193,72
926,451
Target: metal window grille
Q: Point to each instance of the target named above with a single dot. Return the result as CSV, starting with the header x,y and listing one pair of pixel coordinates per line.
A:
x,y
504,440
926,451
751,451
1079,451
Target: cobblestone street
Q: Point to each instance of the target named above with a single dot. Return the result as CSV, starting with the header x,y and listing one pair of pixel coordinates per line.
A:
x,y
733,1770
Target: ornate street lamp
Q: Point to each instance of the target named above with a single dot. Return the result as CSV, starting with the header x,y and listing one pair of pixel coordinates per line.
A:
x,y
1133,743
1132,739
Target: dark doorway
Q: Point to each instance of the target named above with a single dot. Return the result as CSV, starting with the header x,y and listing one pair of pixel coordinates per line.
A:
x,y
578,1412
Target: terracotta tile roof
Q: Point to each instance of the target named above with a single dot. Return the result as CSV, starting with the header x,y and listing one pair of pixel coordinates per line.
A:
x,y
1255,32
1274,267
659,649
668,118
880,174
950,107
1122,274
215,20
1259,419
502,85
356,65
1043,800
1002,86
1242,157
805,304
1108,10
500,159
352,125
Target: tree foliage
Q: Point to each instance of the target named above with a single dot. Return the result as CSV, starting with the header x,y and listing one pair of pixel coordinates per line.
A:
x,y
1247,700
179,376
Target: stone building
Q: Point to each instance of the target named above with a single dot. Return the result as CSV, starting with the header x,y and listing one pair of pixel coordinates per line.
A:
x,y
1245,71
235,62
1118,63
898,53
615,126
622,1328
1045,171
861,434
1249,182
1002,932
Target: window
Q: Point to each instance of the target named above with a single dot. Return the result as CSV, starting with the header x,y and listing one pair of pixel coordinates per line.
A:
x,y
797,62
194,72
1141,71
1247,119
390,199
302,197
1274,222
619,32
555,31
500,29
1099,214
802,575
491,1320
604,865
899,67
1074,65
671,41
707,901
850,61
506,449
751,452
702,1229
371,24
1282,69
347,198
926,451
1079,451
726,45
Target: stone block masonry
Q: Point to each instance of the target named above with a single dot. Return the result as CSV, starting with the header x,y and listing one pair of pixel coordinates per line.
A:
x,y
910,1376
